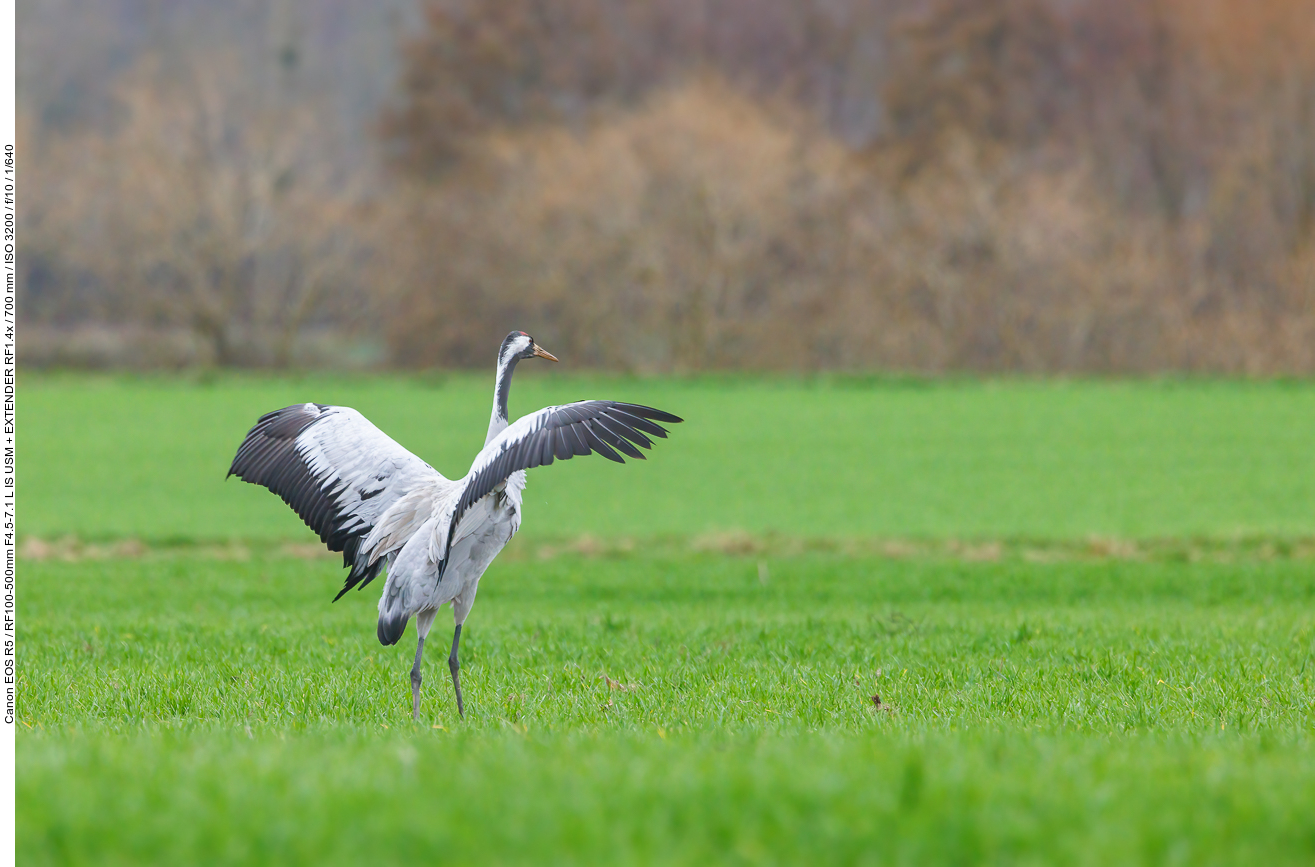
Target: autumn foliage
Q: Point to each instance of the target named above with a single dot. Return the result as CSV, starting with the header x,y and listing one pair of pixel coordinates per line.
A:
x,y
1101,186
925,185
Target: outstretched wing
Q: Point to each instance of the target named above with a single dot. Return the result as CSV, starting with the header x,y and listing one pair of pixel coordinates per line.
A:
x,y
337,471
558,432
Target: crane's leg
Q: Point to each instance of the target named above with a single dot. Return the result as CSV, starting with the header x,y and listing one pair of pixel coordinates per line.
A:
x,y
416,679
424,620
460,609
454,665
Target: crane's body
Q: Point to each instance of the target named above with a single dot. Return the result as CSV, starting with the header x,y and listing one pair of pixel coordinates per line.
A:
x,y
411,588
387,510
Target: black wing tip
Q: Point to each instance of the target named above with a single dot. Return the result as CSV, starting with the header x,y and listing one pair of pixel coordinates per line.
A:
x,y
649,412
360,575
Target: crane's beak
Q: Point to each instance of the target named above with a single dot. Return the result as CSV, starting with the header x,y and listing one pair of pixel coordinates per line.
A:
x,y
543,353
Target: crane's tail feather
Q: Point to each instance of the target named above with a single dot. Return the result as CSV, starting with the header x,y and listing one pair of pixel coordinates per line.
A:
x,y
391,627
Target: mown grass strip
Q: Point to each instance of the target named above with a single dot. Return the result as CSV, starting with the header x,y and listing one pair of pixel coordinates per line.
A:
x,y
1238,549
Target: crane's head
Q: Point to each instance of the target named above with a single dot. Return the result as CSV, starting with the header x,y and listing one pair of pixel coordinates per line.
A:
x,y
519,345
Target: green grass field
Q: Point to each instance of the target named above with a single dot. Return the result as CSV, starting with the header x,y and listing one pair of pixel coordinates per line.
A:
x,y
112,458
1088,610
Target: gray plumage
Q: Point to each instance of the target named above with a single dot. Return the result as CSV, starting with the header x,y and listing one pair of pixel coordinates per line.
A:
x,y
387,510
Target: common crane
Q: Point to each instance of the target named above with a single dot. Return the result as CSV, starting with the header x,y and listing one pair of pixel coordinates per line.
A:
x,y
386,509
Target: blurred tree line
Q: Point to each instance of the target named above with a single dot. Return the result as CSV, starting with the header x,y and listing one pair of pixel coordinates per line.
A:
x,y
932,185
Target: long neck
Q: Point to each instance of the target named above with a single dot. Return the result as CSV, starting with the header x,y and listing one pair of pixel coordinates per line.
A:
x,y
501,388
